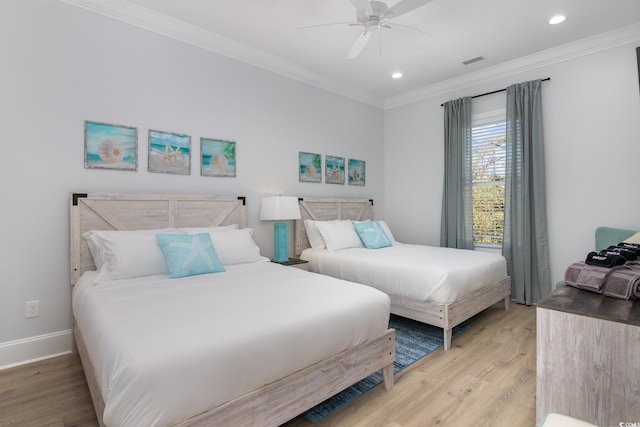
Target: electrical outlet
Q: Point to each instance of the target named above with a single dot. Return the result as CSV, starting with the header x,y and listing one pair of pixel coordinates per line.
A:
x,y
32,309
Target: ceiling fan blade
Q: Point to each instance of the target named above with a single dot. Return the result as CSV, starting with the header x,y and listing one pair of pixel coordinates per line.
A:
x,y
315,27
404,6
363,5
359,45
395,24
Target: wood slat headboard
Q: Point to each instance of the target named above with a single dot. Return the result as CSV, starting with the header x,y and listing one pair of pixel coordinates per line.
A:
x,y
111,211
327,210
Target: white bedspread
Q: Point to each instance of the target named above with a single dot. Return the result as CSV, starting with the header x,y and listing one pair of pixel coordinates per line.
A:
x,y
165,350
422,273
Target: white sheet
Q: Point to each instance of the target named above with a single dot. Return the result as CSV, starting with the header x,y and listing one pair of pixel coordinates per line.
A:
x,y
165,350
422,273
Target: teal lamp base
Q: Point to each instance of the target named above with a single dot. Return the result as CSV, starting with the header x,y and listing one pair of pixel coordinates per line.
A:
x,y
280,242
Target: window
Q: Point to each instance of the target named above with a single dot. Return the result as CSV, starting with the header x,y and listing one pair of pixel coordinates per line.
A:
x,y
488,148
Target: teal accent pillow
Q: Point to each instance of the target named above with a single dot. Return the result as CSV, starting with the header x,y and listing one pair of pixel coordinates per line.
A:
x,y
189,254
372,235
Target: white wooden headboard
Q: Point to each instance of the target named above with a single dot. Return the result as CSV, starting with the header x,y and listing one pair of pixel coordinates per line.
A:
x,y
326,210
110,211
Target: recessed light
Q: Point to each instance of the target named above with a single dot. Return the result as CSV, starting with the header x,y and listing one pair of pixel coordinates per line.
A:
x,y
557,19
396,75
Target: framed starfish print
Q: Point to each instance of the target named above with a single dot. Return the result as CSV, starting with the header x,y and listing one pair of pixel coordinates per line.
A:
x,y
169,152
333,170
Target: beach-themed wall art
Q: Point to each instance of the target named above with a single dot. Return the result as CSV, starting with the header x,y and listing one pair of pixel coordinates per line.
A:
x,y
169,152
108,146
334,170
310,167
218,157
357,171
638,58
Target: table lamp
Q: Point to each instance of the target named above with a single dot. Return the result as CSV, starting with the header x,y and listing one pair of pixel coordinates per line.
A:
x,y
280,208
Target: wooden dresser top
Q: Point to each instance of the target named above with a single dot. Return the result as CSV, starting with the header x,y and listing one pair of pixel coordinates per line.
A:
x,y
577,301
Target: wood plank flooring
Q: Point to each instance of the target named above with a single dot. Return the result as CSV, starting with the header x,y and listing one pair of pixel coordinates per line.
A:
x,y
486,379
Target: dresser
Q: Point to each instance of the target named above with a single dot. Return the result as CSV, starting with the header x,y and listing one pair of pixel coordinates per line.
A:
x,y
588,357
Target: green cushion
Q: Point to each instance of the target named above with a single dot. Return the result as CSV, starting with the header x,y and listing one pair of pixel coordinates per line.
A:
x,y
607,236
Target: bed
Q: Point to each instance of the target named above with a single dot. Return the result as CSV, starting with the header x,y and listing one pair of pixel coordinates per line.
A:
x,y
255,344
467,281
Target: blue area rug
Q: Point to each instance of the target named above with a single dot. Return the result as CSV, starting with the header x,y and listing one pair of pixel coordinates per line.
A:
x,y
414,340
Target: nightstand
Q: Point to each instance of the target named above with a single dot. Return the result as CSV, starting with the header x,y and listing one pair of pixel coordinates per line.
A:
x,y
295,263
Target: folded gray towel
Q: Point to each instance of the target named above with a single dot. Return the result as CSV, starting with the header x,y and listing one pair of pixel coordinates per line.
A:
x,y
588,277
623,283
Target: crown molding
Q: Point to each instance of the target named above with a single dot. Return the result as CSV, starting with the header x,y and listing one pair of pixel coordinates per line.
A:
x,y
555,55
162,24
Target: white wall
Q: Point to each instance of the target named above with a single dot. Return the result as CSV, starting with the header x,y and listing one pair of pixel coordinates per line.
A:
x,y
61,65
591,110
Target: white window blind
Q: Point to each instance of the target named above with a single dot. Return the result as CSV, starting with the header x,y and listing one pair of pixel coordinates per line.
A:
x,y
488,150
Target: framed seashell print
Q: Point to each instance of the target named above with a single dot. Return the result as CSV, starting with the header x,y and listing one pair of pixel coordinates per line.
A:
x,y
108,146
357,169
334,170
309,167
218,157
169,152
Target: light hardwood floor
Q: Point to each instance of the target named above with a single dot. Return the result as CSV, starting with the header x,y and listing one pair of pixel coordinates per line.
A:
x,y
487,379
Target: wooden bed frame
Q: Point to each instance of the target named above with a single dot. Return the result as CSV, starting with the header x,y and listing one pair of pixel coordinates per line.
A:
x,y
269,405
445,316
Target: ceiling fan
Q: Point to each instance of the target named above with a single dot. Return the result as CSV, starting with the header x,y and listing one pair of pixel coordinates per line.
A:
x,y
374,16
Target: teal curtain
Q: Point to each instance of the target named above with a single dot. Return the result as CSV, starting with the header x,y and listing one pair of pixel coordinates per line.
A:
x,y
457,214
525,245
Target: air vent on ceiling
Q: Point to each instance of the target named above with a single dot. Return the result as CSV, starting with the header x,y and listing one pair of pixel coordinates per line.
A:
x,y
473,60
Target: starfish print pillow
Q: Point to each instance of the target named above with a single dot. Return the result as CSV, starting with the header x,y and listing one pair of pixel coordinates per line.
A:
x,y
189,254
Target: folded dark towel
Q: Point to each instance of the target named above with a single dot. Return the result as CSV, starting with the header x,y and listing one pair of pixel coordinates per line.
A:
x,y
630,247
629,255
605,260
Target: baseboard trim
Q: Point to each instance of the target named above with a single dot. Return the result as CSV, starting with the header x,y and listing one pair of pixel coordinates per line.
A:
x,y
33,349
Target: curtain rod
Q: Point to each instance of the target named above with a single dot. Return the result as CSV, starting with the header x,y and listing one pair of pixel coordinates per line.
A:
x,y
498,91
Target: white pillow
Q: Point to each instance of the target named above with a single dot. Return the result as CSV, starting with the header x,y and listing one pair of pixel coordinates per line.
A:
x,y
387,231
94,248
339,235
125,254
633,239
313,234
196,230
236,247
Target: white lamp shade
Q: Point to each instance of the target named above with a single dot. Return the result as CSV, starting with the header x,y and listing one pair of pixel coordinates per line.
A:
x,y
279,208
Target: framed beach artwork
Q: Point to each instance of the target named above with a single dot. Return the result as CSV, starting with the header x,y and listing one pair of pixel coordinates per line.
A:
x,y
108,146
357,169
638,59
218,157
334,170
169,152
309,167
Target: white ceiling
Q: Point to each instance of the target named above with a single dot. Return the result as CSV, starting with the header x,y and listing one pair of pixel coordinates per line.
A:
x,y
266,33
